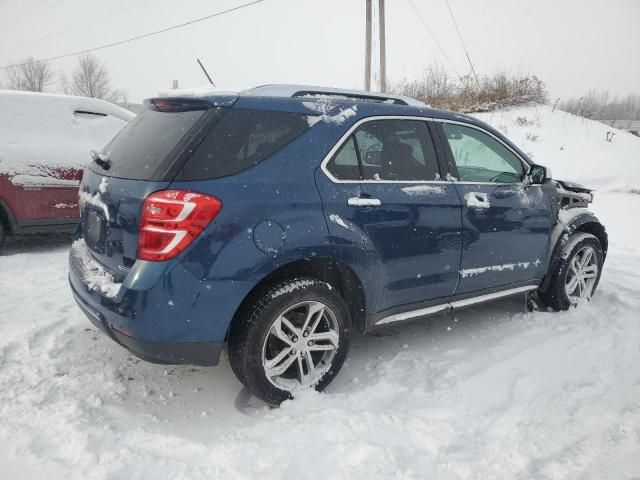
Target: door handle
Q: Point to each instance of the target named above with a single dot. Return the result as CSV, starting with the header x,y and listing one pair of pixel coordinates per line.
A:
x,y
477,200
363,202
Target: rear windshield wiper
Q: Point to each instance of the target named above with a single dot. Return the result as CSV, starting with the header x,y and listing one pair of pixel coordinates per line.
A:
x,y
101,159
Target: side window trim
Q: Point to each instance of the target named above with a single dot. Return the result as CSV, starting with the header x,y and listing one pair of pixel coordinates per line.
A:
x,y
350,133
449,154
442,153
439,139
357,149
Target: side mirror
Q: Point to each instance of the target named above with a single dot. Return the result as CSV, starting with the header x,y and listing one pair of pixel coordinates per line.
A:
x,y
538,174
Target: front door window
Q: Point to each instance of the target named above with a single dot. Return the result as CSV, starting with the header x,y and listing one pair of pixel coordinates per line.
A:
x,y
481,158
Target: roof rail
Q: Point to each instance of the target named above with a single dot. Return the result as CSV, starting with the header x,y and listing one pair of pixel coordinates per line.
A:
x,y
355,96
301,91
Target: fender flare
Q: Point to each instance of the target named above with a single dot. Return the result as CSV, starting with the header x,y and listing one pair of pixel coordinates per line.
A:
x,y
585,222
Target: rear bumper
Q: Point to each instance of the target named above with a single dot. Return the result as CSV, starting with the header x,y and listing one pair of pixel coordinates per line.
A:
x,y
191,353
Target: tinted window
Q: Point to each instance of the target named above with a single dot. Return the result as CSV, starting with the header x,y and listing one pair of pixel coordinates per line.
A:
x,y
241,139
400,150
344,164
396,150
142,147
481,158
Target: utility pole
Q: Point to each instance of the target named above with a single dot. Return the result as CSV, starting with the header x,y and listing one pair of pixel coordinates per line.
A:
x,y
367,50
383,49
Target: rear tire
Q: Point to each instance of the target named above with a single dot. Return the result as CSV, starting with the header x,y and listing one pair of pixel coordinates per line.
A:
x,y
294,336
576,274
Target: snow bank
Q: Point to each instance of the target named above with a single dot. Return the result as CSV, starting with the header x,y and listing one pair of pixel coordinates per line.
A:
x,y
574,148
41,132
485,393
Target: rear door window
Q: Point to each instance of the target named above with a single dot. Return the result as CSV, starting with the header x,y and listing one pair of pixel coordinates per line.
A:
x,y
388,150
240,140
143,146
399,150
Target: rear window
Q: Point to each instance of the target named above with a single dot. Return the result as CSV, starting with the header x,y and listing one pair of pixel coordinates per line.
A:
x,y
240,140
144,145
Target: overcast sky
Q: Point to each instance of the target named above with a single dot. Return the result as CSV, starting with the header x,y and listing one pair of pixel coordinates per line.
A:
x,y
573,45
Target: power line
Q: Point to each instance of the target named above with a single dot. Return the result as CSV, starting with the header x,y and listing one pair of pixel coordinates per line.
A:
x,y
473,70
32,16
138,37
89,22
442,50
20,12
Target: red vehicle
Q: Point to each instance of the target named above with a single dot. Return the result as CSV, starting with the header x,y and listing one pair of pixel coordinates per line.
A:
x,y
45,142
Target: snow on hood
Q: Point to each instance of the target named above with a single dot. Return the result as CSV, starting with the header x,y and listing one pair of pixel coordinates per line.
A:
x,y
40,132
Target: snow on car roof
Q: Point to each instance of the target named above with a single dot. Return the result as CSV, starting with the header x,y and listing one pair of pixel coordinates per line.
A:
x,y
45,130
85,104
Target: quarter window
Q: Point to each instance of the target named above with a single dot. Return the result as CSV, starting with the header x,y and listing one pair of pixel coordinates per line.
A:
x,y
240,140
480,158
344,164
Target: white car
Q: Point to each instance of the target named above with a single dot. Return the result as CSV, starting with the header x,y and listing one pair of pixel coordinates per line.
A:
x,y
45,142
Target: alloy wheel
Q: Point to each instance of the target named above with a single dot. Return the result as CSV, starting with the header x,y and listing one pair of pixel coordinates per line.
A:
x,y
300,346
582,275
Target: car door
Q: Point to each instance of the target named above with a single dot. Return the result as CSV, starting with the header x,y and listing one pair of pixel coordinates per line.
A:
x,y
382,194
48,198
506,223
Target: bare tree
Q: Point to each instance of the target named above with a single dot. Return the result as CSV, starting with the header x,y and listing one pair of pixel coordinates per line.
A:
x,y
32,75
601,106
90,78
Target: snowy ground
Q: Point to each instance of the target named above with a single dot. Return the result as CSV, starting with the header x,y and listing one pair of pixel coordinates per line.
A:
x,y
486,393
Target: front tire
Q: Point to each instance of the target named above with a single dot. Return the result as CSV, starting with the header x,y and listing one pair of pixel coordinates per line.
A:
x,y
294,336
576,274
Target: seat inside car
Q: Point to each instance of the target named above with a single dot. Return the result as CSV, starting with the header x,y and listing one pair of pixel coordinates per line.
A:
x,y
398,162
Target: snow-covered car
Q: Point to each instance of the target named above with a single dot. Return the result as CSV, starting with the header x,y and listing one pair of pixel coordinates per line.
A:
x,y
279,220
45,142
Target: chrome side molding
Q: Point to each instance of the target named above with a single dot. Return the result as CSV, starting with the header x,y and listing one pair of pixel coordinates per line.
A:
x,y
422,312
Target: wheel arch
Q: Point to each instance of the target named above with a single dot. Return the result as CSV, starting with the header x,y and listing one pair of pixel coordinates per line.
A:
x,y
337,274
594,227
585,223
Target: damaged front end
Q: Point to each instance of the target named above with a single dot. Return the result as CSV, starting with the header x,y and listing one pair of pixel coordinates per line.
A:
x,y
572,195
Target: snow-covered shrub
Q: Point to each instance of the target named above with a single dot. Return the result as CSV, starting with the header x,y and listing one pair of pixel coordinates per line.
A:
x,y
467,94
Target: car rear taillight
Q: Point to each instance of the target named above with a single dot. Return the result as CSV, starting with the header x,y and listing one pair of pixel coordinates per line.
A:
x,y
171,220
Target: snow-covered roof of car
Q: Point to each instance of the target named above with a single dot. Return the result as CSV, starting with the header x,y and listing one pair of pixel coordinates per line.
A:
x,y
39,130
73,103
296,91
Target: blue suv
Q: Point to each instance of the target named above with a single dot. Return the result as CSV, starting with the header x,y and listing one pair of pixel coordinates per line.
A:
x,y
277,220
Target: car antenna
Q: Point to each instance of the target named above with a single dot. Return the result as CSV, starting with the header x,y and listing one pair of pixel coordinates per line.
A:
x,y
205,72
